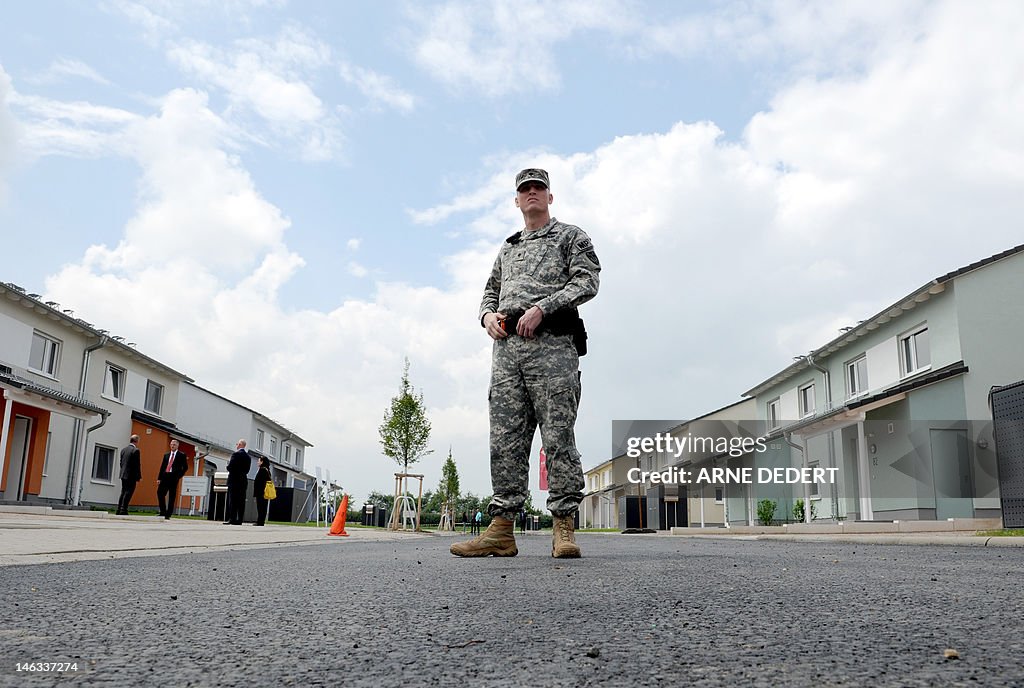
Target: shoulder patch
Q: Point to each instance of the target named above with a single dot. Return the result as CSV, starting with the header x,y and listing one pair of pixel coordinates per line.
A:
x,y
584,245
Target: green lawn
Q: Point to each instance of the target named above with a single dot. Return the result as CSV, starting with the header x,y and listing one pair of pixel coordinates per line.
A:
x,y
1005,532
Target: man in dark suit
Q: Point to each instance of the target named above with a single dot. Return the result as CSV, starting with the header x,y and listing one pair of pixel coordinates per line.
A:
x,y
174,465
238,481
131,474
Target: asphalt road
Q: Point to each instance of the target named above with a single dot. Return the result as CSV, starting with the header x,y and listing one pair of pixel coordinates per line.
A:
x,y
637,610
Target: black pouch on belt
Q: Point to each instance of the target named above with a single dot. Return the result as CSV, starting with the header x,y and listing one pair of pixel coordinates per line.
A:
x,y
564,322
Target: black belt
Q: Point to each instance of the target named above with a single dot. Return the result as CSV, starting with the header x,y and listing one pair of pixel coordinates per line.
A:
x,y
563,322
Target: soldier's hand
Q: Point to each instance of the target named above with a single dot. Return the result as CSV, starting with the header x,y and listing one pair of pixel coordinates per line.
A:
x,y
529,322
492,323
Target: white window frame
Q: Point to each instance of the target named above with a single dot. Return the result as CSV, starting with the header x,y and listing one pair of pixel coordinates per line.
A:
x,y
772,411
109,378
259,440
861,384
273,447
719,494
815,489
910,352
160,398
95,456
288,454
49,363
806,411
298,458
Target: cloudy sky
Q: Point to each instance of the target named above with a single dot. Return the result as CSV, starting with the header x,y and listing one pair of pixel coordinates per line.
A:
x,y
304,193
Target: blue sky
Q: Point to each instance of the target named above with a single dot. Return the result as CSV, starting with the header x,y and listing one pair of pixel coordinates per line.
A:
x,y
327,183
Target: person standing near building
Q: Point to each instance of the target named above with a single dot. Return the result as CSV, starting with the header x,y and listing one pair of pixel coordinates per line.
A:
x,y
131,474
238,480
174,465
259,484
529,308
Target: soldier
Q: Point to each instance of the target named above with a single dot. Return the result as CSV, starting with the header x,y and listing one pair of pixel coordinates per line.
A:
x,y
541,275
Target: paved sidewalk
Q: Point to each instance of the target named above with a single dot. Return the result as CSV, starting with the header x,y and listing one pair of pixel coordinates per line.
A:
x,y
46,536
960,532
953,539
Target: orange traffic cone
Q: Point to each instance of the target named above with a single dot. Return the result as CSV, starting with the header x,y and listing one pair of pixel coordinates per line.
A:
x,y
338,527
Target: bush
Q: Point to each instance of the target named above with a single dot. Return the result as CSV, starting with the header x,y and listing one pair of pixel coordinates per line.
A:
x,y
798,511
766,511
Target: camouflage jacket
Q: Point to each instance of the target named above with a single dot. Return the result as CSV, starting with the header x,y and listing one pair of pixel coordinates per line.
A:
x,y
553,267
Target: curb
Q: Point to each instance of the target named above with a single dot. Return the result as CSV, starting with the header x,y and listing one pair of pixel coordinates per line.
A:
x,y
881,539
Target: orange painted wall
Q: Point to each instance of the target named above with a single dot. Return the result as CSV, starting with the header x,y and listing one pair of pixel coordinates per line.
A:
x,y
153,444
36,447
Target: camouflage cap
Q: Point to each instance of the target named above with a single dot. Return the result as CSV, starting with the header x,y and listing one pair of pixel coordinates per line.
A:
x,y
532,174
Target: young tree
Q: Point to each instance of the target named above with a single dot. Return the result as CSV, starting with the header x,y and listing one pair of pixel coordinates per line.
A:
x,y
449,487
405,432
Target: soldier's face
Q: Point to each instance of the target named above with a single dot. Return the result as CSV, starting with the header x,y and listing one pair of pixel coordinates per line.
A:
x,y
533,195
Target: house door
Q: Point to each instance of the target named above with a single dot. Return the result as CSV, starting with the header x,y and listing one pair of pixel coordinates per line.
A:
x,y
19,458
951,474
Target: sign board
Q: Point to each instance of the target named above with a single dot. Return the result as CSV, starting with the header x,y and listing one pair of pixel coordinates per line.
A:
x,y
195,486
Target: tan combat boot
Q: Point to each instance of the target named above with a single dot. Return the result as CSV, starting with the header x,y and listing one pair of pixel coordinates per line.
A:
x,y
496,541
563,542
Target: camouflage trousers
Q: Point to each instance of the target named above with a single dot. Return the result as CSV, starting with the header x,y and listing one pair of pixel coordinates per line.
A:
x,y
534,382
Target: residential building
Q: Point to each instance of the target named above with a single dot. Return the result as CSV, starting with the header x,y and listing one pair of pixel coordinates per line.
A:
x,y
895,408
85,385
221,422
897,403
72,394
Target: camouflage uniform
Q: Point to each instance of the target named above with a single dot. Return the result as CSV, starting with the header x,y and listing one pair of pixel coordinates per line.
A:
x,y
536,381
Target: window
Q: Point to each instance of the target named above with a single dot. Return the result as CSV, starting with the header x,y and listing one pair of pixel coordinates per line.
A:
x,y
857,376
815,492
806,394
102,463
113,382
154,397
773,414
273,446
915,354
719,495
288,453
45,355
298,458
259,440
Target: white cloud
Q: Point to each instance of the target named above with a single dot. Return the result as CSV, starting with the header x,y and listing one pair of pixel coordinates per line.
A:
x,y
498,48
379,88
357,270
353,244
269,80
64,67
70,128
154,25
